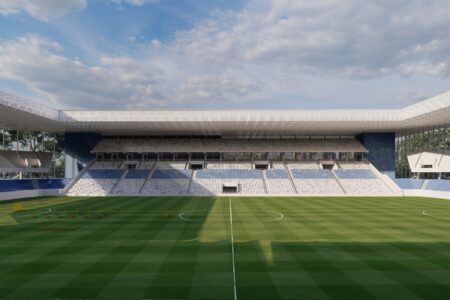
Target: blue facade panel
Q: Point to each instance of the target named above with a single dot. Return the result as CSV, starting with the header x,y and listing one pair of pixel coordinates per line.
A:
x,y
79,145
381,148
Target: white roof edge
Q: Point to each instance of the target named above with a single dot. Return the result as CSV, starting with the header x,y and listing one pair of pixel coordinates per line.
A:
x,y
429,109
28,106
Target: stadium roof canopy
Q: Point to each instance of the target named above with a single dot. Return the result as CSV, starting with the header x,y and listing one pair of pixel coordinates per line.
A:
x,y
16,112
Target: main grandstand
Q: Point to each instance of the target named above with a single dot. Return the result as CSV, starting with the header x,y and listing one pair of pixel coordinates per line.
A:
x,y
208,152
234,204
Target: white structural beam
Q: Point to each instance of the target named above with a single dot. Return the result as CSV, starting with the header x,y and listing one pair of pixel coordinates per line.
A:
x,y
17,112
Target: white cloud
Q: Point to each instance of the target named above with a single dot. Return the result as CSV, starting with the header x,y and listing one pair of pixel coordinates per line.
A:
x,y
272,49
42,9
114,82
136,2
352,38
215,88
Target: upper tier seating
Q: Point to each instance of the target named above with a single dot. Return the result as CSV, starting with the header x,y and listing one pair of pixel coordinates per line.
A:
x,y
304,165
279,166
355,174
104,174
353,165
311,174
106,165
171,165
277,174
137,174
228,174
171,174
146,165
235,166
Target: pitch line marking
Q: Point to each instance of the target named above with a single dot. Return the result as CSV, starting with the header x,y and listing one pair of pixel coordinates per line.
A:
x,y
232,250
281,216
436,217
180,215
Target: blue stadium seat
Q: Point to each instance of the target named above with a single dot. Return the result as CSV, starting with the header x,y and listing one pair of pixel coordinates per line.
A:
x,y
137,174
409,184
437,185
105,173
311,174
171,174
277,174
228,174
354,174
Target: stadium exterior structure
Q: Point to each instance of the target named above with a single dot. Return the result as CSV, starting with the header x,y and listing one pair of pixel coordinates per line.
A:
x,y
87,131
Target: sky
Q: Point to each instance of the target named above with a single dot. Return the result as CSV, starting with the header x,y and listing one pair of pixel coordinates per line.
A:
x,y
190,54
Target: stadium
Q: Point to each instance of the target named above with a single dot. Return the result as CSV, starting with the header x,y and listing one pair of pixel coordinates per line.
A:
x,y
225,204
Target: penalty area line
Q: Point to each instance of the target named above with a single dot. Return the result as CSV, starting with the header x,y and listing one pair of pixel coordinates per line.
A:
x,y
232,250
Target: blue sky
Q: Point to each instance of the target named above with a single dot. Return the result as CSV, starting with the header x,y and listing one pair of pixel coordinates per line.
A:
x,y
134,54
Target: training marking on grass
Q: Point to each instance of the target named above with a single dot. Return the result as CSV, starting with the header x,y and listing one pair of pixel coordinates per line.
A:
x,y
281,216
232,250
436,217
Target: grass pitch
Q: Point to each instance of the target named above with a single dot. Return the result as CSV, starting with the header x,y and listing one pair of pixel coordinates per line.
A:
x,y
222,248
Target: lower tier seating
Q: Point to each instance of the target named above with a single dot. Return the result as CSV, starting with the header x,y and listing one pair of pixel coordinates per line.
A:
x,y
318,187
280,187
364,187
166,187
92,187
289,179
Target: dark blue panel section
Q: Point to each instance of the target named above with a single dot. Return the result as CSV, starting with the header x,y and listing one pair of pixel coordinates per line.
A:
x,y
16,185
172,174
79,145
48,184
137,174
105,174
381,148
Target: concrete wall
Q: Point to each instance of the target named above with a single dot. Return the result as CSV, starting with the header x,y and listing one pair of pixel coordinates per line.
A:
x,y
78,148
427,193
28,194
381,148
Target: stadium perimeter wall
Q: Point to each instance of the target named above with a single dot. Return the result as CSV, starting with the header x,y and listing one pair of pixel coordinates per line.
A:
x,y
28,194
427,193
381,148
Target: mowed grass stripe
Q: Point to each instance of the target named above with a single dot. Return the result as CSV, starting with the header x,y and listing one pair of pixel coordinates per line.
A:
x,y
338,248
69,250
112,261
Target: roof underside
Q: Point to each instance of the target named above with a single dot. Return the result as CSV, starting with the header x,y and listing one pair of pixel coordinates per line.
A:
x,y
111,145
16,112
